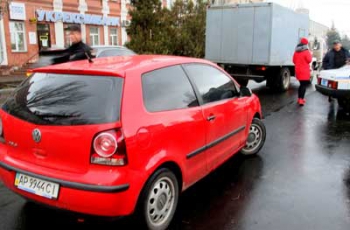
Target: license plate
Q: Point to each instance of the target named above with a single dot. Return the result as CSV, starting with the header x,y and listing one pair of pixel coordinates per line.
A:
x,y
37,186
324,82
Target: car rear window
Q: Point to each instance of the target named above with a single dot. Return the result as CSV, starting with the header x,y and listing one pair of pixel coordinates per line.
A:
x,y
58,99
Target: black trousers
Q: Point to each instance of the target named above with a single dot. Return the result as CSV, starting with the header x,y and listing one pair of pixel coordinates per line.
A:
x,y
302,89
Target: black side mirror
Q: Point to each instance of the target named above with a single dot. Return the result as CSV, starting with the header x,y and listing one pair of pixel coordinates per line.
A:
x,y
245,92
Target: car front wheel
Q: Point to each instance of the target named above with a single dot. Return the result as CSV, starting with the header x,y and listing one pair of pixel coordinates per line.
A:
x,y
256,138
159,200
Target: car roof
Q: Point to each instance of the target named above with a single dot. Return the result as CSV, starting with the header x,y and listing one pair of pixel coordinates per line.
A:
x,y
118,66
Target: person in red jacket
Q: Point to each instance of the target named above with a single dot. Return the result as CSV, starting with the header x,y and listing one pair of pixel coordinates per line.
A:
x,y
302,59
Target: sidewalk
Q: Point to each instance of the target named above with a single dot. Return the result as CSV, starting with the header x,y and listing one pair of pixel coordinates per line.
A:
x,y
11,79
7,85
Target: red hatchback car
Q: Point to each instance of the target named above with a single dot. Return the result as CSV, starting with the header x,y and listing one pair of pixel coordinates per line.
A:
x,y
124,134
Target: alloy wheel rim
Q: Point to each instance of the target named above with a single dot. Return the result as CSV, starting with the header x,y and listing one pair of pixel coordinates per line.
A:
x,y
254,138
161,201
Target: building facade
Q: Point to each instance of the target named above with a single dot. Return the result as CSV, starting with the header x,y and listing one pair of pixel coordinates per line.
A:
x,y
30,26
318,30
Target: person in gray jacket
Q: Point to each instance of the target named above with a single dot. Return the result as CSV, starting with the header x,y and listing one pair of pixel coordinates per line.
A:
x,y
336,57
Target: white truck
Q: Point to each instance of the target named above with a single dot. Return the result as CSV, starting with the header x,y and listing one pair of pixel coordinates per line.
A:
x,y
318,47
255,41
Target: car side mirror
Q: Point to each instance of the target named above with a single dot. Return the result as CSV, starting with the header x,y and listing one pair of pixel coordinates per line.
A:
x,y
245,92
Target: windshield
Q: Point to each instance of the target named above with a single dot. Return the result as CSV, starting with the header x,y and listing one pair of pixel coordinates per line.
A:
x,y
57,99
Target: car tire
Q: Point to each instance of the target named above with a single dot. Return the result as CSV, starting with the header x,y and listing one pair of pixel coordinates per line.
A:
x,y
283,80
256,138
158,201
344,103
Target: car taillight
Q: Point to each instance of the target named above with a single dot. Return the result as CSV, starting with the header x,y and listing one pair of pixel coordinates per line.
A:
x,y
333,84
108,148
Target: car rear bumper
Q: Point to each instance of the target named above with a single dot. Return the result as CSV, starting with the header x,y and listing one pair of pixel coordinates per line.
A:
x,y
91,199
339,93
69,184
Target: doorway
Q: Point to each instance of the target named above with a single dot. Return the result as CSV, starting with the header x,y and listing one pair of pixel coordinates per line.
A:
x,y
44,38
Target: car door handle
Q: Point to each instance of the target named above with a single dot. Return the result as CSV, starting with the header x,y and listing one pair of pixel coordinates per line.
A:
x,y
211,118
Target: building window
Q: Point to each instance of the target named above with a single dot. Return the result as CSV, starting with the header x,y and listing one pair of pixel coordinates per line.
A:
x,y
94,36
113,36
18,40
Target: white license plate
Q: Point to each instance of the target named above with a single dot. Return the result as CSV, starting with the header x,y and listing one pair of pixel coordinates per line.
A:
x,y
324,82
37,186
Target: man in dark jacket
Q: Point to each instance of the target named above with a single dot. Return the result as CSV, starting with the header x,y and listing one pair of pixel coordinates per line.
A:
x,y
336,58
77,51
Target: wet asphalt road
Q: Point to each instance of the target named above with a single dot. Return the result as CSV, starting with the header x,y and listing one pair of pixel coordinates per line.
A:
x,y
300,180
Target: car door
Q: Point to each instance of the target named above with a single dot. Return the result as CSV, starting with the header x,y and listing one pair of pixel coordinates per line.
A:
x,y
175,120
223,110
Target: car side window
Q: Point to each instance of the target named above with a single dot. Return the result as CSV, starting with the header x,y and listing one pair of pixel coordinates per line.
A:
x,y
212,84
167,89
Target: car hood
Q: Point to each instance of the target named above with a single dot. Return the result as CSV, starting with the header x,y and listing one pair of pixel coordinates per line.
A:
x,y
336,74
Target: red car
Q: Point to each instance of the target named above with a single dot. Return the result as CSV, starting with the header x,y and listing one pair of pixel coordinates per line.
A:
x,y
124,134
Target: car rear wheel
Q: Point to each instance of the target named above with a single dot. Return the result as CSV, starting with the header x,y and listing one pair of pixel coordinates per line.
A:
x,y
256,138
344,103
159,200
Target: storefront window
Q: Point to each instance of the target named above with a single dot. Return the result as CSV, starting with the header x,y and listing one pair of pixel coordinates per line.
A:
x,y
113,36
18,40
94,36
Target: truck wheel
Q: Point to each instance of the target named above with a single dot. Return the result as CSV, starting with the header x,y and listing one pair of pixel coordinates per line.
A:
x,y
256,138
159,199
283,80
344,103
243,82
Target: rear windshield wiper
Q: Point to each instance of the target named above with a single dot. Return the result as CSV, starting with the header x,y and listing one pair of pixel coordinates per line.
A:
x,y
47,116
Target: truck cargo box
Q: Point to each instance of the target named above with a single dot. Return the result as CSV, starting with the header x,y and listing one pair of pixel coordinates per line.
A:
x,y
254,34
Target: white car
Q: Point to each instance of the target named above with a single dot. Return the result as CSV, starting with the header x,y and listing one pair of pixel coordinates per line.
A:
x,y
335,83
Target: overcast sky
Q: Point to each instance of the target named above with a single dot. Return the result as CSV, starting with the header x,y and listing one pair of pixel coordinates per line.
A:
x,y
324,11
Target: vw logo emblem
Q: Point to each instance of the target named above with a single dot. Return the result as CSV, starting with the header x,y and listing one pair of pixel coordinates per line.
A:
x,y
36,134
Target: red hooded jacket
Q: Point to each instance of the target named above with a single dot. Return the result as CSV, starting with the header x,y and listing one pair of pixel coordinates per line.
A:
x,y
302,59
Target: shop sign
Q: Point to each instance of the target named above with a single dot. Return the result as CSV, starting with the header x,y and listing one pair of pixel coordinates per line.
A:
x,y
17,11
69,17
